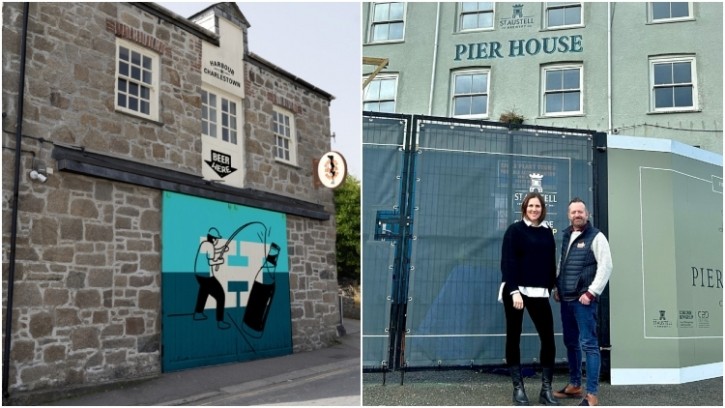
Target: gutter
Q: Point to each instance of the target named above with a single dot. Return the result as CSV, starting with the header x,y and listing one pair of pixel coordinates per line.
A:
x,y
609,67
435,60
14,218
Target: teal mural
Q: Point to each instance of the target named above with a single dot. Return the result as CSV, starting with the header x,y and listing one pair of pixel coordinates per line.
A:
x,y
225,283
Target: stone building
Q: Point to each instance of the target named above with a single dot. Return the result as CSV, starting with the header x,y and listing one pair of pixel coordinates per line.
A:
x,y
159,197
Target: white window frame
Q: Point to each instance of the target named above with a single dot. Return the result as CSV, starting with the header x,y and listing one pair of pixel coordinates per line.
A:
x,y
545,91
651,14
367,98
549,6
374,22
137,77
486,93
216,126
693,83
285,136
462,13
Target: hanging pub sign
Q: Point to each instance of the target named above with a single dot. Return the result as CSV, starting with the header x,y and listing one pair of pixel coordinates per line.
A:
x,y
331,169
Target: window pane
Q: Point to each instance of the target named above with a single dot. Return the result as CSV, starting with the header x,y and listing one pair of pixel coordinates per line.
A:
x,y
396,11
479,83
135,58
233,137
122,100
147,77
396,31
681,73
123,68
380,32
123,53
486,20
146,62
387,89
145,107
463,84
135,72
225,134
663,98
373,90
381,12
556,17
663,74
570,102
680,10
470,21
387,106
132,89
683,96
468,6
571,79
478,105
133,103
660,10
145,93
572,15
370,106
553,80
553,103
462,106
122,85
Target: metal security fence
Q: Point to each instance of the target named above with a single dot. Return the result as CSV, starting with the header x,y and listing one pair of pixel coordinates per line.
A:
x,y
438,195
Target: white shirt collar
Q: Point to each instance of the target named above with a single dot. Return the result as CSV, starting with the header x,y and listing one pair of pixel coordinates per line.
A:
x,y
531,224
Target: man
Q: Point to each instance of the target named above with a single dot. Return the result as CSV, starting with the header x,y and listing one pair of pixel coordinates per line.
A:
x,y
208,258
584,269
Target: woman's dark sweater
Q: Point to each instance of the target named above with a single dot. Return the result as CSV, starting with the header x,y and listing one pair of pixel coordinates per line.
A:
x,y
528,257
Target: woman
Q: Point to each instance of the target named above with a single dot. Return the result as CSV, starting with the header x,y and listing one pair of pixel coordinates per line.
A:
x,y
528,266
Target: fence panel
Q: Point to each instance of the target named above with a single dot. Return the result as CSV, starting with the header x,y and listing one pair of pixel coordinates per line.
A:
x,y
468,179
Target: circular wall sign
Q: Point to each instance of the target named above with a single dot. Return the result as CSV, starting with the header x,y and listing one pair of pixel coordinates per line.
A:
x,y
331,169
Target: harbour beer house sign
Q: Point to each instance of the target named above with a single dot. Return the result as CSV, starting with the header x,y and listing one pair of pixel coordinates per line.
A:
x,y
222,72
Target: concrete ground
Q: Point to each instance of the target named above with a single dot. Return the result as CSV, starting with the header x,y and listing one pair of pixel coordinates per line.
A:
x,y
470,387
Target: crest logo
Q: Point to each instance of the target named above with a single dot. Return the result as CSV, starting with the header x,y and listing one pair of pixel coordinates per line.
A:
x,y
518,11
536,186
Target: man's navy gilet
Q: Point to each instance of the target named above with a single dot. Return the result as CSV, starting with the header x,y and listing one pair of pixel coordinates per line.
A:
x,y
577,268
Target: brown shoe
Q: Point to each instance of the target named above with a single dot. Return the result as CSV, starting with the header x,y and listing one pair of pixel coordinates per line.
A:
x,y
569,391
590,400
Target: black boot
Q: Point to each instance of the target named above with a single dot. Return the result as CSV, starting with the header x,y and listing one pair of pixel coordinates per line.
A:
x,y
519,395
545,396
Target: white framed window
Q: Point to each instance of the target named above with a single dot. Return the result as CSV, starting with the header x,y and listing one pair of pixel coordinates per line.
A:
x,y
285,143
470,94
563,14
387,22
475,16
669,11
379,95
137,80
673,83
220,116
562,90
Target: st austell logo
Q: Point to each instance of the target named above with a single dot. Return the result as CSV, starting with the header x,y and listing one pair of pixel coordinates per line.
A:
x,y
517,20
221,163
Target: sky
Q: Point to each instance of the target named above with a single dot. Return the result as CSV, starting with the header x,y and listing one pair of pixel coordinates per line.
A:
x,y
319,43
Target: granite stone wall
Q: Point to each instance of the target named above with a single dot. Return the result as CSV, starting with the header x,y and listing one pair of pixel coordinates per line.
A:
x,y
87,296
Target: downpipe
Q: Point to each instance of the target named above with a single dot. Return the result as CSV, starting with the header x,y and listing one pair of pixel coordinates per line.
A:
x,y
14,219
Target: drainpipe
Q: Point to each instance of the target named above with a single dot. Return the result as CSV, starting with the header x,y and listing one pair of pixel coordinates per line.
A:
x,y
16,189
435,59
609,67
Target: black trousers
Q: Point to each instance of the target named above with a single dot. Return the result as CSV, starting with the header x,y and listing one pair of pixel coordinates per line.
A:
x,y
540,312
210,286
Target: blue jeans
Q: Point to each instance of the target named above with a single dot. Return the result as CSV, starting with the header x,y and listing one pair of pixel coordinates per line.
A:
x,y
580,334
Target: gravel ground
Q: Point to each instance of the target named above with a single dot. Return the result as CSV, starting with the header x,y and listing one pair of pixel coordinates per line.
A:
x,y
469,387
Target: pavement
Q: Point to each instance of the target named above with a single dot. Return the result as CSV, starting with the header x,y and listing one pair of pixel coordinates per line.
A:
x,y
475,387
217,385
